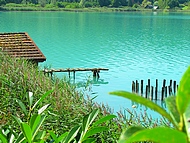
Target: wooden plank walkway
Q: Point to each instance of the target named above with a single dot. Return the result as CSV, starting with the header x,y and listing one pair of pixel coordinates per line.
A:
x,y
95,71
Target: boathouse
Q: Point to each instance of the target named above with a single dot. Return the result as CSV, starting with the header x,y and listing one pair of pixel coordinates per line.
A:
x,y
20,45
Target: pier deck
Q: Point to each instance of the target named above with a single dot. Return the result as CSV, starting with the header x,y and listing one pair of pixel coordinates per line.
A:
x,y
95,71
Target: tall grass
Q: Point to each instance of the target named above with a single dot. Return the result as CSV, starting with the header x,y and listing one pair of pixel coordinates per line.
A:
x,y
68,105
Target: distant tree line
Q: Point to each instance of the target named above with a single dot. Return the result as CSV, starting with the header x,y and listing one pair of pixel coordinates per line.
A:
x,y
162,4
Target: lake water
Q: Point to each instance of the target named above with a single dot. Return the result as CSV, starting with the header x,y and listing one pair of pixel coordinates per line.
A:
x,y
132,45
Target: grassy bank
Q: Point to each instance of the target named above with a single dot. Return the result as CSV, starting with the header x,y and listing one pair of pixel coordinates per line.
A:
x,y
68,106
98,9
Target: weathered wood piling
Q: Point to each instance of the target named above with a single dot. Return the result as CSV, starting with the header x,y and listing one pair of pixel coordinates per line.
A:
x,y
152,92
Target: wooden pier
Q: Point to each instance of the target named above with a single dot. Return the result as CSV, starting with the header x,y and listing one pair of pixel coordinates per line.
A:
x,y
152,92
95,71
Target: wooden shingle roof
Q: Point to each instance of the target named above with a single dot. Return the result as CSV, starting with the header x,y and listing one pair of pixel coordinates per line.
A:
x,y
20,45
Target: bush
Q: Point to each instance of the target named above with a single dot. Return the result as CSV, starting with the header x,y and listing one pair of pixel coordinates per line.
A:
x,y
61,4
49,6
91,4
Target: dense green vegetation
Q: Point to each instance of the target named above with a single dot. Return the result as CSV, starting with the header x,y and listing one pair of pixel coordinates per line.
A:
x,y
67,106
94,5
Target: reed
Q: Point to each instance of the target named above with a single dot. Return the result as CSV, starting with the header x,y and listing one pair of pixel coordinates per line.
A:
x,y
68,105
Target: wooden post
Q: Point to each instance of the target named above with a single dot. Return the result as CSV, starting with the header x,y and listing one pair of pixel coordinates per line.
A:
x,y
164,83
69,74
74,74
162,95
98,75
133,86
174,87
136,86
148,86
156,89
152,91
94,73
170,83
166,91
146,95
141,87
170,88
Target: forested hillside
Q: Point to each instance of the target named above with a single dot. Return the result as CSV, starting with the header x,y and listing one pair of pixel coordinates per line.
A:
x,y
148,4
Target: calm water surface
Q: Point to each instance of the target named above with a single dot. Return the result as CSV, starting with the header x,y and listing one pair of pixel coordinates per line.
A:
x,y
133,46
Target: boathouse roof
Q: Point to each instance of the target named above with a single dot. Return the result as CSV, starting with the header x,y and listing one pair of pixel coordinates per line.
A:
x,y
21,45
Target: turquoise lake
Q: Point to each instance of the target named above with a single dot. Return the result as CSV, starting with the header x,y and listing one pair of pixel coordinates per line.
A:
x,y
132,45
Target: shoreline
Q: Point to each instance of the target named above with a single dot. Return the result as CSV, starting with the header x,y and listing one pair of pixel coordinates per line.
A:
x,y
96,9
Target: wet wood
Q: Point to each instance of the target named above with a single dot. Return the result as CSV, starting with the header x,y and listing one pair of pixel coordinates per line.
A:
x,y
95,71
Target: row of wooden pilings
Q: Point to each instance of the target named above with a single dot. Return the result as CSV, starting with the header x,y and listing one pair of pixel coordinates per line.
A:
x,y
152,92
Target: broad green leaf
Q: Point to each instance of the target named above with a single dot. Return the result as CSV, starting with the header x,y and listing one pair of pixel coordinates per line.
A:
x,y
3,138
104,119
94,131
34,121
27,131
171,105
41,110
72,134
129,132
54,137
22,106
183,92
61,138
30,99
34,133
187,122
42,98
158,135
145,102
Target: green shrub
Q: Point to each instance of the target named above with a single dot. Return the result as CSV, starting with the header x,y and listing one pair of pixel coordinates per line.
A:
x,y
49,6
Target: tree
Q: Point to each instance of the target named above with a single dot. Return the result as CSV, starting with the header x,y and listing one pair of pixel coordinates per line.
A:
x,y
42,3
162,4
130,3
116,3
82,3
173,3
123,2
2,2
104,2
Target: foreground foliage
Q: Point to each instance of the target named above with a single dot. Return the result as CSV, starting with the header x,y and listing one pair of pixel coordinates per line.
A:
x,y
179,115
68,105
30,130
63,108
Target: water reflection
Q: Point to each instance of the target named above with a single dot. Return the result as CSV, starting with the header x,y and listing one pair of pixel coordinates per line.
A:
x,y
141,108
91,81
